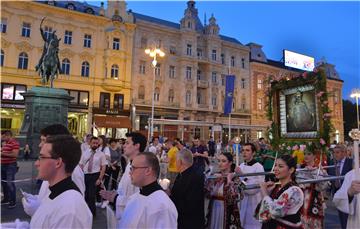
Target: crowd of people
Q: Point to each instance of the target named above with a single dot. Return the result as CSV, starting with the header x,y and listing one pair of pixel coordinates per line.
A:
x,y
127,177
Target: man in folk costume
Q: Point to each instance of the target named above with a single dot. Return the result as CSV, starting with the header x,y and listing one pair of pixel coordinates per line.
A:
x,y
251,197
65,207
134,144
152,207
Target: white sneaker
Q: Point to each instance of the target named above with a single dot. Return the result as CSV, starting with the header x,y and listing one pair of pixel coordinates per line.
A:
x,y
98,204
104,203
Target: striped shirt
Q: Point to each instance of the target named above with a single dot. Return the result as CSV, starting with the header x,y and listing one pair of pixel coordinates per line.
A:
x,y
7,147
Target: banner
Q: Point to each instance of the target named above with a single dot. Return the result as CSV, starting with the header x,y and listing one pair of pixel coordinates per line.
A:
x,y
229,92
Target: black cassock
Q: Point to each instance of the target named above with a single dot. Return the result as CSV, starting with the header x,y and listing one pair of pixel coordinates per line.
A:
x,y
188,197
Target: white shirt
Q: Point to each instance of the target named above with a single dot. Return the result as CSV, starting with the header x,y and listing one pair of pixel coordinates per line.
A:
x,y
341,201
125,190
153,211
84,147
252,197
106,151
98,161
68,210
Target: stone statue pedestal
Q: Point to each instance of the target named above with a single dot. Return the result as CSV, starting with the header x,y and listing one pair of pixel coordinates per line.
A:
x,y
43,106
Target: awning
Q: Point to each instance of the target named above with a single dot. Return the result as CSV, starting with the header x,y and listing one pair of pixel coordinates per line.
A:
x,y
112,121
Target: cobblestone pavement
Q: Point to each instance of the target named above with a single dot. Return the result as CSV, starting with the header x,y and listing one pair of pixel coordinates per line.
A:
x,y
27,170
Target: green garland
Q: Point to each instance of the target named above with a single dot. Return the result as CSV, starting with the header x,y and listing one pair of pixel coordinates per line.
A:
x,y
318,79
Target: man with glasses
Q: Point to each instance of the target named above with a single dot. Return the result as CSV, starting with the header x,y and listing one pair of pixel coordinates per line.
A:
x,y
134,144
93,162
151,208
32,202
65,206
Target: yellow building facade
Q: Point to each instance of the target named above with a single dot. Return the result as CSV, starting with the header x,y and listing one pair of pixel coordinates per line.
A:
x,y
95,57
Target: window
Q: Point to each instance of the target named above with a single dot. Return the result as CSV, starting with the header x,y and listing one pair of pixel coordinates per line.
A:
x,y
26,29
222,58
259,103
47,31
171,96
189,49
243,83
2,57
172,72
172,50
80,98
23,61
104,100
198,98
243,103
336,97
189,25
188,73
259,84
87,41
12,92
214,100
85,69
198,74
141,92
199,53
142,67
68,37
119,101
157,94
115,71
223,80
143,43
214,77
3,25
65,66
188,97
213,55
233,104
116,44
232,61
157,70
243,62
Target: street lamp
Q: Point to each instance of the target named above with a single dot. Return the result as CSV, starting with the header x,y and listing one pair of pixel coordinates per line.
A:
x,y
153,53
355,93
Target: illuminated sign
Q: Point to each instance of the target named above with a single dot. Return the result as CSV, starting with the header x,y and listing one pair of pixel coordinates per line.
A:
x,y
299,61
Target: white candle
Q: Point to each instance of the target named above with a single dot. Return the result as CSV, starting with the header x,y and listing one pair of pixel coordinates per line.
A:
x,y
164,183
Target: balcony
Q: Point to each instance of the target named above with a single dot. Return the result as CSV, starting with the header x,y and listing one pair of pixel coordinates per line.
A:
x,y
142,102
203,83
202,59
203,106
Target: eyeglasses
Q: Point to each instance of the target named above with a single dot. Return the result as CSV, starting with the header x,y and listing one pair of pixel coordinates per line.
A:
x,y
45,157
132,168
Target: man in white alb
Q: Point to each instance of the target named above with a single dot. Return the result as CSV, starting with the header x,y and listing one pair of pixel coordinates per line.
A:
x,y
134,144
251,197
65,206
151,208
32,202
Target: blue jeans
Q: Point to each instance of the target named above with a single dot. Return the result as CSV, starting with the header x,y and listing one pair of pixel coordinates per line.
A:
x,y
8,174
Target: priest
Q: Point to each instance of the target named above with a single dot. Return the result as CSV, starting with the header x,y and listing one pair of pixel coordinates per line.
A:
x,y
151,208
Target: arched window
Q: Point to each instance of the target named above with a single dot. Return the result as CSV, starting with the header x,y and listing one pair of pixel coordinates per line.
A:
x,y
233,104
171,95
23,61
114,71
85,69
157,94
188,97
65,66
2,57
141,92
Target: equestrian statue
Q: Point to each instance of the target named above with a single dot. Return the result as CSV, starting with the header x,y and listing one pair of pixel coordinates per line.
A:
x,y
49,64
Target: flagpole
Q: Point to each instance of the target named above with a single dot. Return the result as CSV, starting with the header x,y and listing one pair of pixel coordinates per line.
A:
x,y
230,107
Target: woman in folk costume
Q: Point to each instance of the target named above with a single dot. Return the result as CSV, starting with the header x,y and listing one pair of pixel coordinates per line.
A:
x,y
280,208
313,212
223,207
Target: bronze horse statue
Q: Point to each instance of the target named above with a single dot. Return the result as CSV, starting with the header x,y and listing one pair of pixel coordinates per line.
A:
x,y
49,64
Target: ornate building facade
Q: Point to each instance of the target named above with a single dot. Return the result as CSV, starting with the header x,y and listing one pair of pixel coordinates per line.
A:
x,y
105,69
95,58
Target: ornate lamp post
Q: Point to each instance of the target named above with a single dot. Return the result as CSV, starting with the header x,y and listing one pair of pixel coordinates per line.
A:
x,y
355,93
153,53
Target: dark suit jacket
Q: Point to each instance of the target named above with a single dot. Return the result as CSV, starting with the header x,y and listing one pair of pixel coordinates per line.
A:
x,y
348,166
188,197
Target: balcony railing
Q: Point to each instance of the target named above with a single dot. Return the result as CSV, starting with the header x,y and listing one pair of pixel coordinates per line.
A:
x,y
203,106
203,83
